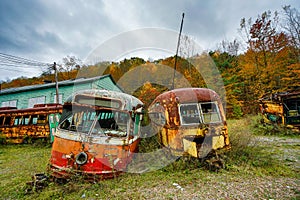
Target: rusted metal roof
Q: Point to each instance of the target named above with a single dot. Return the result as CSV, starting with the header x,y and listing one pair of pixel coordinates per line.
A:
x,y
186,95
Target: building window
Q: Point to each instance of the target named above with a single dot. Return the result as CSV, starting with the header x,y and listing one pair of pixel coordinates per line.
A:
x,y
59,98
11,103
36,100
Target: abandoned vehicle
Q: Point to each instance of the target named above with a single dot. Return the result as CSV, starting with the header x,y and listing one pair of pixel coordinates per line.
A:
x,y
97,136
190,121
281,108
25,125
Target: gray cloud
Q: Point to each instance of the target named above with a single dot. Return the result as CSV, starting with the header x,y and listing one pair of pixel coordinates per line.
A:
x,y
50,30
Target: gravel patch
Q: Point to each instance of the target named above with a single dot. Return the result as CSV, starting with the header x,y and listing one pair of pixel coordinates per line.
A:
x,y
226,186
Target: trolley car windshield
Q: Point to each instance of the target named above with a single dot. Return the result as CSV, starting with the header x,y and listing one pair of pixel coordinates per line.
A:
x,y
100,122
195,113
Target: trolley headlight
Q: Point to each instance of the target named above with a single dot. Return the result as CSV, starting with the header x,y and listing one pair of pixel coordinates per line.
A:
x,y
81,158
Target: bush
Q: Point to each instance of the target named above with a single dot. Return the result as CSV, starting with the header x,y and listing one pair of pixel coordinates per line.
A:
x,y
261,128
247,153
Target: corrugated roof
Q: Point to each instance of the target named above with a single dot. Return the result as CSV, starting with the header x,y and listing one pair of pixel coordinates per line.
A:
x,y
60,83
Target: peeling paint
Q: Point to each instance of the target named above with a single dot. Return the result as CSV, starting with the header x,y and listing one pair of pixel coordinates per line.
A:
x,y
23,125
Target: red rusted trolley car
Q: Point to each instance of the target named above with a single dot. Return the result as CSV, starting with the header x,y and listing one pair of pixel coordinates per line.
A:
x,y
98,133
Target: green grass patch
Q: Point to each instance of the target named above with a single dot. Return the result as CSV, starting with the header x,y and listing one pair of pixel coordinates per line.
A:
x,y
18,163
246,159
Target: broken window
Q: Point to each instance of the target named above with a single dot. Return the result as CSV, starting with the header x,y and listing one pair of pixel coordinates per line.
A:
x,y
1,120
7,121
210,112
101,122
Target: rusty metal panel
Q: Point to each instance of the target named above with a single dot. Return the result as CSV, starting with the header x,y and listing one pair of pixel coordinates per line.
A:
x,y
16,131
189,138
281,108
190,147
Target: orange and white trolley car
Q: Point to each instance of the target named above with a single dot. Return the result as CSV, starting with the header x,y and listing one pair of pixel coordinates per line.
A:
x,y
98,133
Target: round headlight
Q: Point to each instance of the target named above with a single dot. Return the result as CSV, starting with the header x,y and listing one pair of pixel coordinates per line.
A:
x,y
81,158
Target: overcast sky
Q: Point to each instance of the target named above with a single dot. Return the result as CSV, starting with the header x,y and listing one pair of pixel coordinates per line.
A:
x,y
47,31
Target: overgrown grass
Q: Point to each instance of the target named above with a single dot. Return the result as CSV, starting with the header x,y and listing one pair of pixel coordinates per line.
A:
x,y
260,128
249,155
246,158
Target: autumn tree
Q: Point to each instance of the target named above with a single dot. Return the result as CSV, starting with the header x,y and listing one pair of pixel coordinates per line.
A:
x,y
69,67
187,47
230,47
227,64
265,60
147,93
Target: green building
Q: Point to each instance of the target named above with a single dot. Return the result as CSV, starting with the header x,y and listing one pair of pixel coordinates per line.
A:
x,y
28,96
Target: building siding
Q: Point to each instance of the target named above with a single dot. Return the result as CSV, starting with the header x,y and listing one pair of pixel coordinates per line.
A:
x,y
66,88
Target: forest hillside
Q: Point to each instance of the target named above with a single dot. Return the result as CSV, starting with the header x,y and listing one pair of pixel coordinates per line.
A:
x,y
269,64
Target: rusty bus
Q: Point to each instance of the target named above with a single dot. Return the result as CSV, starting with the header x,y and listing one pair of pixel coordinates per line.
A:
x,y
97,136
25,125
281,108
191,121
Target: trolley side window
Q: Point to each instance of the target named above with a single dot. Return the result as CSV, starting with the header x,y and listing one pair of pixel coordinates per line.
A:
x,y
42,119
7,121
17,120
34,119
26,120
1,120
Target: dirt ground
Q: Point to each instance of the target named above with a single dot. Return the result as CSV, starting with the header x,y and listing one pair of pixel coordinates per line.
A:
x,y
228,185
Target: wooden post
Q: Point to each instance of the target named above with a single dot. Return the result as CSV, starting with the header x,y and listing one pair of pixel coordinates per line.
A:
x,y
56,83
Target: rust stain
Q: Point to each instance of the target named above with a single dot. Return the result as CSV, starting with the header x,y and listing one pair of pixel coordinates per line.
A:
x,y
193,117
17,125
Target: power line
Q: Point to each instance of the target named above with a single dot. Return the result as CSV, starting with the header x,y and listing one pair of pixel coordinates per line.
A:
x,y
14,63
20,60
15,70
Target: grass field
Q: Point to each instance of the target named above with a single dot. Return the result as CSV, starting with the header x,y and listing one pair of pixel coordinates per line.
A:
x,y
258,166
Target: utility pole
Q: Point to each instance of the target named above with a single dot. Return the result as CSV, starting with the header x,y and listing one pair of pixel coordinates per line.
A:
x,y
178,43
56,82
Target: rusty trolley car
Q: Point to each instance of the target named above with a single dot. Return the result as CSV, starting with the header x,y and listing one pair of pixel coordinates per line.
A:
x,y
97,135
281,108
191,121
24,125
